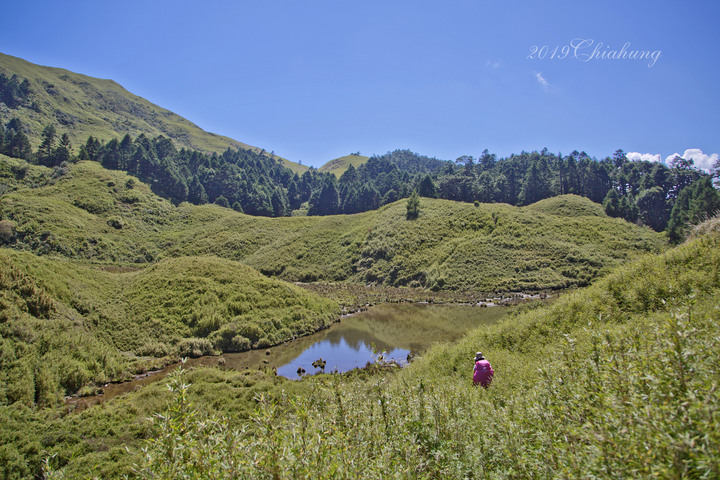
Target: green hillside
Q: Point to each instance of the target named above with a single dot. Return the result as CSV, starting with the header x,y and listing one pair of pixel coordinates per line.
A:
x,y
101,278
83,106
339,165
66,324
105,216
618,380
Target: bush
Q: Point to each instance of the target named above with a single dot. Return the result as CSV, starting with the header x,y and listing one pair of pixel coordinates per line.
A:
x,y
116,222
229,341
154,349
7,231
195,347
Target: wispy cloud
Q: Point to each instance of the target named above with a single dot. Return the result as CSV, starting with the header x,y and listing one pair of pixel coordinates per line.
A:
x,y
541,80
643,157
703,161
493,65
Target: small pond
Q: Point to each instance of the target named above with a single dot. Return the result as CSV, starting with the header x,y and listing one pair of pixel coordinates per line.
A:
x,y
393,330
396,329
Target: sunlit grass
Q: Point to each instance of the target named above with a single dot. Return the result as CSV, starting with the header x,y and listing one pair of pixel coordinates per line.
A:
x,y
607,382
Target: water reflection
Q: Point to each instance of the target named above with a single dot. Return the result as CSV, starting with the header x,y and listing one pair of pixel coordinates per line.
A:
x,y
339,356
395,329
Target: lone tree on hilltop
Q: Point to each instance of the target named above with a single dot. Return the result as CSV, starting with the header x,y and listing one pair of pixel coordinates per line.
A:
x,y
413,206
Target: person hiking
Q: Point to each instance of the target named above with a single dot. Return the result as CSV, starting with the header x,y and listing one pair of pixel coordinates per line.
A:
x,y
483,373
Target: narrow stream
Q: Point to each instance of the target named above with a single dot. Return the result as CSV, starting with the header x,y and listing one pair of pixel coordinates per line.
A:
x,y
393,330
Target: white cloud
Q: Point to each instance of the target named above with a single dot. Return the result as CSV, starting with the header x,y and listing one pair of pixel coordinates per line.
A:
x,y
492,64
643,157
702,160
541,80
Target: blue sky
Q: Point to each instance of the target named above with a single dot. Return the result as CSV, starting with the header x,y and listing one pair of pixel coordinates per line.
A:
x,y
315,80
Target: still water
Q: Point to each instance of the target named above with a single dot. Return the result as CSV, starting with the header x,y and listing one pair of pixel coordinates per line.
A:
x,y
393,330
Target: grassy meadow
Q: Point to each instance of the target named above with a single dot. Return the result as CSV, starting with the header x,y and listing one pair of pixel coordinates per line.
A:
x,y
101,279
87,212
618,380
338,166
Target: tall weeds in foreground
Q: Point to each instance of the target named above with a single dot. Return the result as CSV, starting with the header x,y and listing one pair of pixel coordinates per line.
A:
x,y
630,392
639,401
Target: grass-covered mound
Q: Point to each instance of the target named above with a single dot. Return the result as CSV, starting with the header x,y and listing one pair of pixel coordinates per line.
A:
x,y
235,307
338,166
619,380
90,213
66,324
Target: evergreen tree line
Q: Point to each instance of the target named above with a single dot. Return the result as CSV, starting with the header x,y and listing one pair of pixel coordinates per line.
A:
x,y
252,182
663,197
51,152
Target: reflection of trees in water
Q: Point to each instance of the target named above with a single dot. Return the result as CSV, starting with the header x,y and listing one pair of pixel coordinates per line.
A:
x,y
414,327
356,339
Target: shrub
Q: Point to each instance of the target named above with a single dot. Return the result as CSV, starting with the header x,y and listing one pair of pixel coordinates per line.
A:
x,y
195,347
154,349
129,197
228,340
116,222
7,231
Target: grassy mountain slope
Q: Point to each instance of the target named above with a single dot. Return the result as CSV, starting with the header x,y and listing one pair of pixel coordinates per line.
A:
x,y
65,323
619,380
82,106
615,380
339,165
106,216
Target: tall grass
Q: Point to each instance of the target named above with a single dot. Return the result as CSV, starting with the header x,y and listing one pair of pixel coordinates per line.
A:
x,y
617,381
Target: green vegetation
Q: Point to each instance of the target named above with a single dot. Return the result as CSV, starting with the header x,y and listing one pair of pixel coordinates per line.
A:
x,y
65,323
338,166
108,217
83,106
101,278
617,380
413,206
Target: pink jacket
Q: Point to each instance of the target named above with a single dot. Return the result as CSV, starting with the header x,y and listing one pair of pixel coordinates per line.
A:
x,y
483,373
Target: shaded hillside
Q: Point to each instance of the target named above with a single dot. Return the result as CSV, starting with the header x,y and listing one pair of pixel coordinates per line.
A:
x,y
87,212
83,106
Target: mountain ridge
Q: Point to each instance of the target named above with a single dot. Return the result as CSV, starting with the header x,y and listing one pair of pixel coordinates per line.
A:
x,y
86,106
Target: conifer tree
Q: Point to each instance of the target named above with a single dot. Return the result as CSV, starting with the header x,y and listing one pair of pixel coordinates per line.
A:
x,y
413,206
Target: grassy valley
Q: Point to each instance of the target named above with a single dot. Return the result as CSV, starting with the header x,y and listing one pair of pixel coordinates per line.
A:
x,y
616,380
101,278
